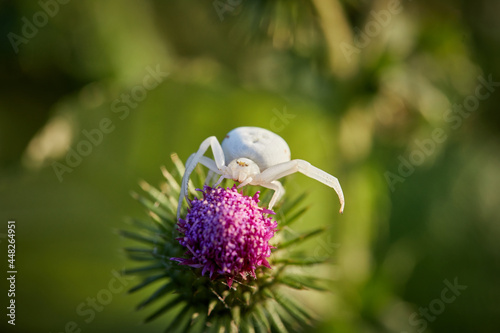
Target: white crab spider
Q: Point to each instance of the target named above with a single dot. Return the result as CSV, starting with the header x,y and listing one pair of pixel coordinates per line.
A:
x,y
257,157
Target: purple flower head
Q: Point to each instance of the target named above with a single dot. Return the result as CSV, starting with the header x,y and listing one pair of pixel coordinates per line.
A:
x,y
226,233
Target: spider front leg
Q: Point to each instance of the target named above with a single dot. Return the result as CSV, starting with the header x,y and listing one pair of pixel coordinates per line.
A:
x,y
193,160
212,169
210,178
284,169
275,185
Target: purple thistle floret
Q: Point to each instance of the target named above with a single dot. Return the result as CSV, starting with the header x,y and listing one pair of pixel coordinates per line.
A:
x,y
226,233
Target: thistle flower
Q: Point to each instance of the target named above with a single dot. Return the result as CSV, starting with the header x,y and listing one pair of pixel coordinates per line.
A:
x,y
226,233
223,239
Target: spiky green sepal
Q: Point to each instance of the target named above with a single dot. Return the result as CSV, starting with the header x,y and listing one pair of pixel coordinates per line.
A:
x,y
197,303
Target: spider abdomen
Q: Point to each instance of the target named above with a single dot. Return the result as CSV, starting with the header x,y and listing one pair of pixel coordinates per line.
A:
x,y
263,147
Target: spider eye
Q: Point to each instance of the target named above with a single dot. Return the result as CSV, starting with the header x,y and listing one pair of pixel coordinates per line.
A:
x,y
242,164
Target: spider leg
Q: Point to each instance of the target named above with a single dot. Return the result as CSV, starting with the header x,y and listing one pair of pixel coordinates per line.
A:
x,y
212,168
210,177
189,186
273,185
221,178
284,169
198,157
213,171
246,182
210,164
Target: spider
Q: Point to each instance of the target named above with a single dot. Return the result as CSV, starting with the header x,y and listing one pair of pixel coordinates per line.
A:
x,y
257,157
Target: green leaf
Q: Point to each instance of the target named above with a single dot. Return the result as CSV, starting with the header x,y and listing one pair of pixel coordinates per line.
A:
x,y
247,325
166,289
305,281
290,282
147,281
138,250
158,196
135,257
181,169
146,226
200,176
300,238
166,226
266,195
299,308
288,220
151,206
288,305
216,325
260,317
276,321
198,323
137,237
236,314
180,322
247,296
289,205
161,199
143,269
258,326
174,185
299,262
211,306
228,324
179,165
165,308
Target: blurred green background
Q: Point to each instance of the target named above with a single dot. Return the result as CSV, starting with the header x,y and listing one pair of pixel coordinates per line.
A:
x,y
358,88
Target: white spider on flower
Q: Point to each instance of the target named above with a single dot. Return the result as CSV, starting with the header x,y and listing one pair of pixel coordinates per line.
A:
x,y
257,157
